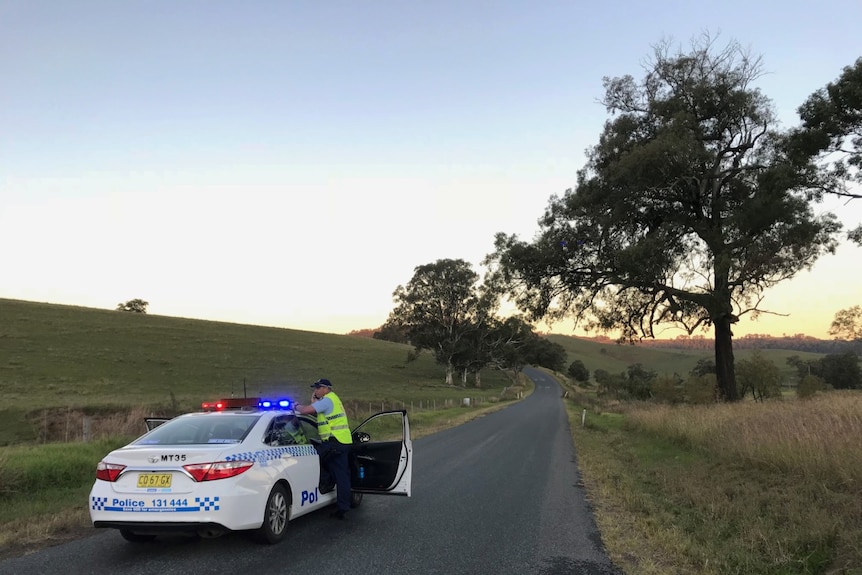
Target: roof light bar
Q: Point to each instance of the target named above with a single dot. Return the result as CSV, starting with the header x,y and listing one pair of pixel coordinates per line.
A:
x,y
246,403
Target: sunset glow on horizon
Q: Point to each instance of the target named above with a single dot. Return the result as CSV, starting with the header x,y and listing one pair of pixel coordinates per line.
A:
x,y
290,164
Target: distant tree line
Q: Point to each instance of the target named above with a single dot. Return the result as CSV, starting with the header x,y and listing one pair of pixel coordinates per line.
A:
x,y
757,376
846,328
792,343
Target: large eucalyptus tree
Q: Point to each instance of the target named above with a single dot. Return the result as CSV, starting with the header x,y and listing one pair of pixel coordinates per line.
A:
x,y
686,211
437,309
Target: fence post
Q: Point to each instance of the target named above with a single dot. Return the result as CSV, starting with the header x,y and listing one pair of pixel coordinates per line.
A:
x,y
87,427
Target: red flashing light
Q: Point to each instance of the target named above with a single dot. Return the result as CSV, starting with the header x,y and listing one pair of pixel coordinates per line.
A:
x,y
231,403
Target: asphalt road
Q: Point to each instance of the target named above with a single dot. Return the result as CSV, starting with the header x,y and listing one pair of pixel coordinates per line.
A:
x,y
498,495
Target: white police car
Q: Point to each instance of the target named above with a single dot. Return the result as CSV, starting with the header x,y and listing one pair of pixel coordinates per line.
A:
x,y
240,464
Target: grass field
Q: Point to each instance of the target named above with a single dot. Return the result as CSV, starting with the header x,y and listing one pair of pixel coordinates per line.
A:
x,y
771,488
58,360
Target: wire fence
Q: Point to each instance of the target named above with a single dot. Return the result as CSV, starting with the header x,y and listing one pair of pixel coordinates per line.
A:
x,y
357,408
70,425
419,405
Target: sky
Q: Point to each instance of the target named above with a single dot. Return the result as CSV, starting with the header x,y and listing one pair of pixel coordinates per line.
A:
x,y
289,163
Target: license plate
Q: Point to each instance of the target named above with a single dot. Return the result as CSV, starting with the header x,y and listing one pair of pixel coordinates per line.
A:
x,y
154,480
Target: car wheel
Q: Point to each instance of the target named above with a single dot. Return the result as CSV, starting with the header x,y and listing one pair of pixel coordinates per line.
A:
x,y
136,537
355,499
275,516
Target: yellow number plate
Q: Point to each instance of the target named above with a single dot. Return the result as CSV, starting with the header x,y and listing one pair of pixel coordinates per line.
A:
x,y
154,480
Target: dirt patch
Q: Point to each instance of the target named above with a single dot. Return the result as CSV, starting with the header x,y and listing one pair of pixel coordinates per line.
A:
x,y
20,549
26,536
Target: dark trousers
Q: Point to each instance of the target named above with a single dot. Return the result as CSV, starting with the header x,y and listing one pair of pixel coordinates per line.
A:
x,y
334,456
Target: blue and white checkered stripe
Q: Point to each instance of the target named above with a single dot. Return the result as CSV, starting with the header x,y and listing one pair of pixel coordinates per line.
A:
x,y
207,503
265,455
201,504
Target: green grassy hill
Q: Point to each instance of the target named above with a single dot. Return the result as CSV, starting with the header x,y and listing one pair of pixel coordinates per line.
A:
x,y
67,357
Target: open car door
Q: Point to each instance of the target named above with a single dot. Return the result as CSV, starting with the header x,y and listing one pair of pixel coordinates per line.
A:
x,y
382,455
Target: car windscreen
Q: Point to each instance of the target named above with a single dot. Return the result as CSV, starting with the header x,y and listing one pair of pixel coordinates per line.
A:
x,y
202,429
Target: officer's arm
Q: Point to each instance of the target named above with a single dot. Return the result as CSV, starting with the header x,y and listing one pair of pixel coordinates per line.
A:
x,y
305,410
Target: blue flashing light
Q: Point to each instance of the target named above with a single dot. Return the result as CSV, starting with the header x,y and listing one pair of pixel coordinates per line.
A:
x,y
274,404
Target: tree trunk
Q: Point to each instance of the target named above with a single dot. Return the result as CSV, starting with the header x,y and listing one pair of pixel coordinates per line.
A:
x,y
724,370
449,371
464,377
478,378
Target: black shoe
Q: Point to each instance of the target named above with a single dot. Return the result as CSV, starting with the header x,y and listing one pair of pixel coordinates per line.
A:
x,y
339,514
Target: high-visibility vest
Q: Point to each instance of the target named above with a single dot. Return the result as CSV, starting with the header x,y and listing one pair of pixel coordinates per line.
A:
x,y
335,423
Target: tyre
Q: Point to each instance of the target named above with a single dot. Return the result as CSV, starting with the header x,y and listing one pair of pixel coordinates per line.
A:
x,y
355,499
133,537
275,516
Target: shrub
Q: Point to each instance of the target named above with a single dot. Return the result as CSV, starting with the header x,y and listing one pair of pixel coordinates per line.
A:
x,y
699,389
668,388
809,385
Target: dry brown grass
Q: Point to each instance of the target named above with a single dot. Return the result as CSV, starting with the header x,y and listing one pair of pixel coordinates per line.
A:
x,y
72,425
28,535
817,437
765,489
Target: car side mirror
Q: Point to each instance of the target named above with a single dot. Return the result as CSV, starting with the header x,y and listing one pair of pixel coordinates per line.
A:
x,y
361,437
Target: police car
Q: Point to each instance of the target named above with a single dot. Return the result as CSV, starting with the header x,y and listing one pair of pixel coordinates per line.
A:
x,y
240,464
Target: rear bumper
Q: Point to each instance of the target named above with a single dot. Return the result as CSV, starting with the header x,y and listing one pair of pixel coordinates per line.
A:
x,y
229,507
165,528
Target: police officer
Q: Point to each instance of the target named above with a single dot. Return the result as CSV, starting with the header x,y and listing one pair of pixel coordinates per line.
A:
x,y
334,448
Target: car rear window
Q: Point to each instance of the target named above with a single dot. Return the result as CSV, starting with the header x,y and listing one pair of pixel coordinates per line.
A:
x,y
205,429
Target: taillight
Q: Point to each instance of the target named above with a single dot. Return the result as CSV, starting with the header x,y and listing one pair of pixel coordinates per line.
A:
x,y
218,470
108,471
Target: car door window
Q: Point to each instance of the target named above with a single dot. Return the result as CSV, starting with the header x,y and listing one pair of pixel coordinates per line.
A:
x,y
384,427
285,430
308,425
